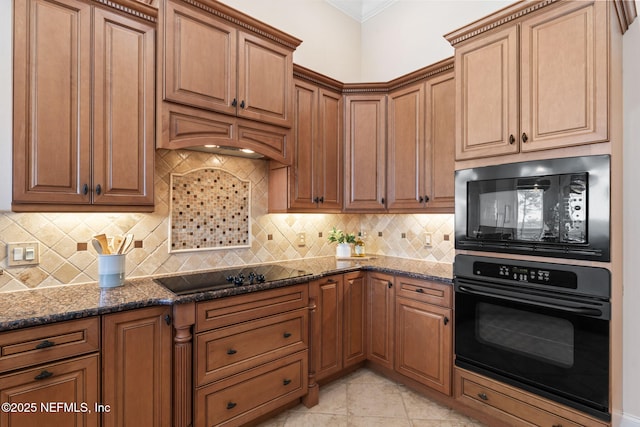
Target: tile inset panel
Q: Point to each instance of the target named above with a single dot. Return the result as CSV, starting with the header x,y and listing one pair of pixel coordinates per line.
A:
x,y
210,209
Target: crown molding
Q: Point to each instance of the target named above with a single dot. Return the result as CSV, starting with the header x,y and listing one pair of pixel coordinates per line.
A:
x,y
627,13
143,9
308,75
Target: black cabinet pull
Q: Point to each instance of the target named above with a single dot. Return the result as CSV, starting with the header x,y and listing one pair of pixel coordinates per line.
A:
x,y
483,396
389,284
316,200
321,199
85,189
420,290
98,189
382,201
167,319
512,139
287,335
426,199
43,375
525,138
242,104
286,382
420,199
45,344
446,320
234,103
231,405
231,351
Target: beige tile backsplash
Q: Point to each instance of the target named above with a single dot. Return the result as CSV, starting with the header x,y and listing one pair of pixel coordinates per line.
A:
x,y
58,233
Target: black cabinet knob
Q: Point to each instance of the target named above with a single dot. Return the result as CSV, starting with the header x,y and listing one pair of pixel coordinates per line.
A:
x,y
389,284
287,335
231,351
286,382
512,139
525,138
98,189
45,344
43,375
85,189
483,396
242,104
231,405
234,103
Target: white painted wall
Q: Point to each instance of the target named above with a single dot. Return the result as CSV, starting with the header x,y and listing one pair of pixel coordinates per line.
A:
x,y
5,105
331,39
631,225
408,35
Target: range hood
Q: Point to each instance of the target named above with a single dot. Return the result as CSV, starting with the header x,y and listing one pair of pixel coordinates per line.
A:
x,y
228,151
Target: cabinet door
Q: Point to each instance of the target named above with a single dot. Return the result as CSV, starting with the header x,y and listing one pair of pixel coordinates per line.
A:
x,y
365,159
424,343
355,298
137,367
329,161
265,80
565,76
200,59
440,144
327,329
73,382
487,95
124,113
380,325
51,102
405,148
303,182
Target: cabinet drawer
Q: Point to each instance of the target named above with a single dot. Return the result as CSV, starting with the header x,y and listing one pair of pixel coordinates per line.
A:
x,y
40,344
73,383
223,352
242,308
424,290
252,393
515,406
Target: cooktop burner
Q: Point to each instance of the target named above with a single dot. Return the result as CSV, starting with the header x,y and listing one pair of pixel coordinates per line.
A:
x,y
223,279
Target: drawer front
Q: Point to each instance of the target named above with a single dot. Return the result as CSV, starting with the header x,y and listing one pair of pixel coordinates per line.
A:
x,y
514,406
41,393
425,290
242,308
226,351
253,393
40,344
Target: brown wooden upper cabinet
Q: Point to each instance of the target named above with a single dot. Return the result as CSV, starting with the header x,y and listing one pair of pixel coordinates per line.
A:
x,y
420,146
214,65
83,105
365,153
537,83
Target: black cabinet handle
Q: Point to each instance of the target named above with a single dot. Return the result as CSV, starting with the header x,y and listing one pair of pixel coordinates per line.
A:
x,y
389,284
420,199
43,375
167,319
316,200
242,104
45,344
420,290
85,189
525,138
382,201
426,199
446,320
483,396
231,405
98,189
287,335
512,139
321,199
286,382
234,103
231,351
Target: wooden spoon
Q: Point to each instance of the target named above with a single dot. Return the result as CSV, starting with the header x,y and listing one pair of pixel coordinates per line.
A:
x,y
104,244
126,243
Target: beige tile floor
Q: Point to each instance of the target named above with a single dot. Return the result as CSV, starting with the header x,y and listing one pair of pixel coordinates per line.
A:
x,y
366,399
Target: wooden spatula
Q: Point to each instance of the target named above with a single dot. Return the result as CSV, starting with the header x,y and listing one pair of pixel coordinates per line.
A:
x,y
104,244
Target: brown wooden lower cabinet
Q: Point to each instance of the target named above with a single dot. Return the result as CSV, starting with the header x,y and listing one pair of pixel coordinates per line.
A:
x,y
56,394
381,318
136,362
354,332
513,406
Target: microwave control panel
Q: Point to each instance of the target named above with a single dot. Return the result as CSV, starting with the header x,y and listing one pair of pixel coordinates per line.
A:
x,y
558,278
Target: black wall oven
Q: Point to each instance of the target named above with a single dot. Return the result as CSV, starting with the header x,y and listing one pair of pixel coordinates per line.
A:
x,y
553,208
539,326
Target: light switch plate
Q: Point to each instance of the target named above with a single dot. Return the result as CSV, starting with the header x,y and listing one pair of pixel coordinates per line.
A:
x,y
23,253
428,240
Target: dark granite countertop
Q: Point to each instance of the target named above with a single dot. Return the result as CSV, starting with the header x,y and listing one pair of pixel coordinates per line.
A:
x,y
41,306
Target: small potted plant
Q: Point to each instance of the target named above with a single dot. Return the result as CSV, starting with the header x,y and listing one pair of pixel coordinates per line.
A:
x,y
344,241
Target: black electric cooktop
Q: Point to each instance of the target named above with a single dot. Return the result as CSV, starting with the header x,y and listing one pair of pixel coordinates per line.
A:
x,y
223,279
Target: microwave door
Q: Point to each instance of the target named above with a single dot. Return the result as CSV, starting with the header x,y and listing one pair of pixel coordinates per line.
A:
x,y
497,219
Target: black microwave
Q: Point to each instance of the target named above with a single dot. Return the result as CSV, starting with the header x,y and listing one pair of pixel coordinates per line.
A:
x,y
553,208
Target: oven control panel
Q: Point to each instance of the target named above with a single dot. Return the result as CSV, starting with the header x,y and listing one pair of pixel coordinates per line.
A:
x,y
559,278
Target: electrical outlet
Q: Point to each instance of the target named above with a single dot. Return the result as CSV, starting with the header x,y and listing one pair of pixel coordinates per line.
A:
x,y
301,239
23,253
428,239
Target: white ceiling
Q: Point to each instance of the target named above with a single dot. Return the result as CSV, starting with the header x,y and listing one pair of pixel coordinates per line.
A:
x,y
361,10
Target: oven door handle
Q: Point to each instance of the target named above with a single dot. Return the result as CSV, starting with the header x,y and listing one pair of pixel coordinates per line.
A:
x,y
584,311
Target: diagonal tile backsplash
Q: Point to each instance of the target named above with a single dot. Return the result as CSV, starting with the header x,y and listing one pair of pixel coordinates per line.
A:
x,y
273,235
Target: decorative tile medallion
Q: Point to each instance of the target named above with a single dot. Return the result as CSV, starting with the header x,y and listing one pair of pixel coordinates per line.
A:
x,y
210,209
